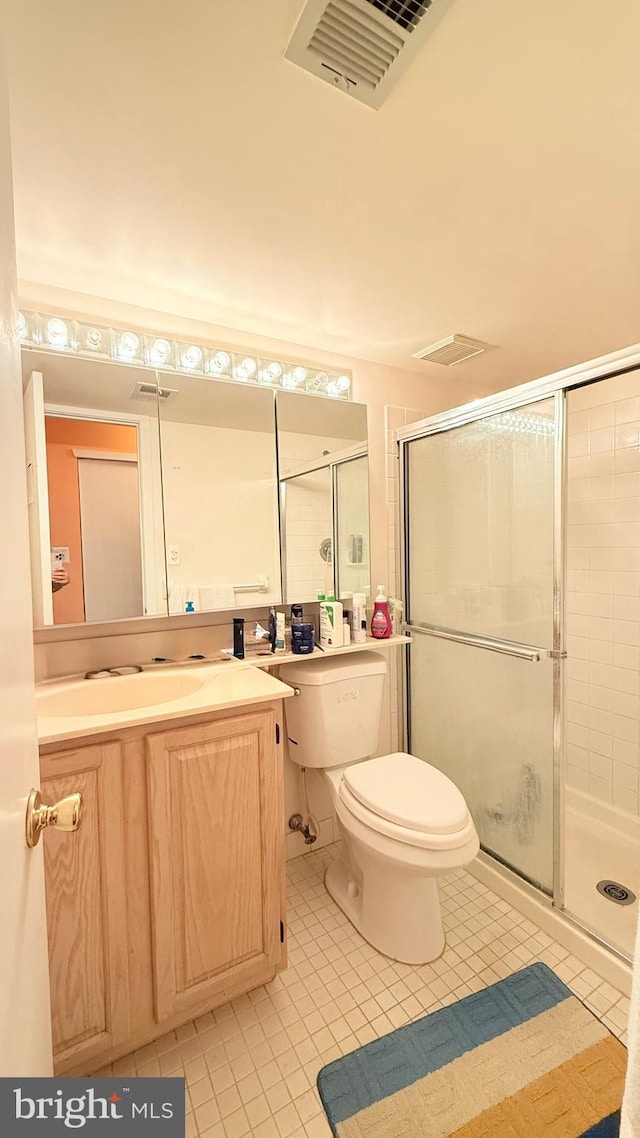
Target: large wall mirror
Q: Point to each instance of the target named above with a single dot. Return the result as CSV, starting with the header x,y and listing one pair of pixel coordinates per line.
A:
x,y
148,495
155,494
324,497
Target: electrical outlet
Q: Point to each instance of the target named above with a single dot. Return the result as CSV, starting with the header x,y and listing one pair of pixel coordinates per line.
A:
x,y
59,556
174,554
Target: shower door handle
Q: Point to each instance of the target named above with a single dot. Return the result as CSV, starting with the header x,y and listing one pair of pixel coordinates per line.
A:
x,y
506,647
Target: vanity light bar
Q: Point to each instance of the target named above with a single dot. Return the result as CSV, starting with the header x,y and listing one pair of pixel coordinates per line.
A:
x,y
51,333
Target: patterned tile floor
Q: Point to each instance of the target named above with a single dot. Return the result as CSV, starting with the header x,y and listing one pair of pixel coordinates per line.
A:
x,y
251,1065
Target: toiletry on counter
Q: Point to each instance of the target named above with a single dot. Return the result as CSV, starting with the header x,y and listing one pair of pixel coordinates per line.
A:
x,y
381,620
272,629
297,614
302,638
359,619
331,618
346,632
396,610
238,637
280,632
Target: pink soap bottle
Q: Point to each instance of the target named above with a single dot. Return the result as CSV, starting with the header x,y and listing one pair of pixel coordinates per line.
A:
x,y
381,627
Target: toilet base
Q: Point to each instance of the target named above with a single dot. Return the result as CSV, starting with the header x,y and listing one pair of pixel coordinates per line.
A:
x,y
397,913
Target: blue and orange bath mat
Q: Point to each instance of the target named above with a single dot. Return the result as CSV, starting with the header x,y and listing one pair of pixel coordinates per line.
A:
x,y
521,1059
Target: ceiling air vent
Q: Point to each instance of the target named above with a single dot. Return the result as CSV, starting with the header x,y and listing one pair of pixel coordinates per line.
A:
x,y
362,46
150,391
453,350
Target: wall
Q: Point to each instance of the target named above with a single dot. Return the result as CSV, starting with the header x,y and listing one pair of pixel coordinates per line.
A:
x,y
211,476
64,496
603,591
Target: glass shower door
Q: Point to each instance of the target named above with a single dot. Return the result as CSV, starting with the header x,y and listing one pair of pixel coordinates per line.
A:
x,y
479,534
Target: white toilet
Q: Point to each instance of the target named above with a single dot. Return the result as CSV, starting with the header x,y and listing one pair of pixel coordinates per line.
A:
x,y
402,821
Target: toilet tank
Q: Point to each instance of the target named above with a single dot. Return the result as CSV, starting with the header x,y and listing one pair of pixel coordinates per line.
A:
x,y
336,718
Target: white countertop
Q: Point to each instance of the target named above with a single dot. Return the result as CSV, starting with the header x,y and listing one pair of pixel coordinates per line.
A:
x,y
218,686
274,659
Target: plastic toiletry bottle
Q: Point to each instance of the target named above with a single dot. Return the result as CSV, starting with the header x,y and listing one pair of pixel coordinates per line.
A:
x,y
381,627
331,623
189,607
359,619
280,632
346,632
238,637
297,614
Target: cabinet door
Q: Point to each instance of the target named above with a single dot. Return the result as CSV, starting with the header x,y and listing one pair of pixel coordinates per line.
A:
x,y
216,858
86,906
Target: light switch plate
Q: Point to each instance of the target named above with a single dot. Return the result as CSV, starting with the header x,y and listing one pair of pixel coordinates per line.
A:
x,y
59,556
173,554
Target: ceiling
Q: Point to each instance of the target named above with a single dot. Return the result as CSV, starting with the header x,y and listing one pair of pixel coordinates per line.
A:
x,y
166,155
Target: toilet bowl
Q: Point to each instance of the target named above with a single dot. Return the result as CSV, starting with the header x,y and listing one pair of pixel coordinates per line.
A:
x,y
402,821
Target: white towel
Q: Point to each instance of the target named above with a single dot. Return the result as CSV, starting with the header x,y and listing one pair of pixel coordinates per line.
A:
x,y
630,1119
217,597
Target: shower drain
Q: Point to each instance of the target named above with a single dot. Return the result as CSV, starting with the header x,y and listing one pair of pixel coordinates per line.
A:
x,y
613,891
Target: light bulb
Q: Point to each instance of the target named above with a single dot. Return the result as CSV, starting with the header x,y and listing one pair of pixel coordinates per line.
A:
x,y
94,338
191,357
57,332
318,382
246,369
299,374
160,351
274,370
220,361
333,391
128,345
22,326
343,383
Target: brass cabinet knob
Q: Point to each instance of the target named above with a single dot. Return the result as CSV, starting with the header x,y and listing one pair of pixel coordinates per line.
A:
x,y
64,815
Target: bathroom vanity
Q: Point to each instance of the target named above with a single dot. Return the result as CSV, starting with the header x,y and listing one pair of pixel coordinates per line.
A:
x,y
169,898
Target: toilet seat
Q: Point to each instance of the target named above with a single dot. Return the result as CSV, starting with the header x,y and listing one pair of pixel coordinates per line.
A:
x,y
406,799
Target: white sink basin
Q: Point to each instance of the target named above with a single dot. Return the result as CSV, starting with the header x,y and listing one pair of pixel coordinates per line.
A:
x,y
75,708
113,694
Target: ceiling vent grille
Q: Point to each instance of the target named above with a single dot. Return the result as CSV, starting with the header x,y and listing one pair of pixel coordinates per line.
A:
x,y
406,13
362,46
453,350
144,390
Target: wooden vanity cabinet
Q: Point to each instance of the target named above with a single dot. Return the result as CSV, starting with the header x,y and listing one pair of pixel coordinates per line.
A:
x,y
215,856
86,894
169,899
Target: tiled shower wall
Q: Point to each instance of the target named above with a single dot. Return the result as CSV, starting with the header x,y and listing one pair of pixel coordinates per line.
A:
x,y
308,525
603,591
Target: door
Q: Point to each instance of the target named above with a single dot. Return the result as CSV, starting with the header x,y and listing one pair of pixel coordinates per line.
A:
x,y
86,907
484,663
216,858
38,500
111,544
25,1030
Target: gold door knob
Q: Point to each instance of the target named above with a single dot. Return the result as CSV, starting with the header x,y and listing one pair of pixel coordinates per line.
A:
x,y
65,815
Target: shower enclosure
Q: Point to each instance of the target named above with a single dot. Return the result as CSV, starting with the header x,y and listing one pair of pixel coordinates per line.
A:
x,y
521,546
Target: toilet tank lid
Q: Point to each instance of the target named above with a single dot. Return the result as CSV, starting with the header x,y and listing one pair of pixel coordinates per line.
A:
x,y
332,669
409,792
